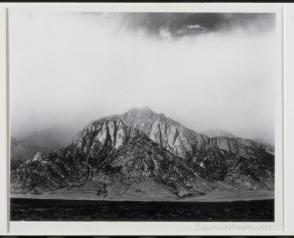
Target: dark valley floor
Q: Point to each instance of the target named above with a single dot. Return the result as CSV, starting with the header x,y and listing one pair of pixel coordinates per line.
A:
x,y
67,210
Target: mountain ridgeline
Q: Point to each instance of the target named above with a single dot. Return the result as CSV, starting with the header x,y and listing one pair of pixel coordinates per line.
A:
x,y
145,155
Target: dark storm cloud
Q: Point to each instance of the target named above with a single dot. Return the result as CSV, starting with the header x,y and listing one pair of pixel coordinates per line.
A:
x,y
161,24
182,24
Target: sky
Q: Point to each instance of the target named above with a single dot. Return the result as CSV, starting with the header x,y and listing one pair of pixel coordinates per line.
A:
x,y
204,70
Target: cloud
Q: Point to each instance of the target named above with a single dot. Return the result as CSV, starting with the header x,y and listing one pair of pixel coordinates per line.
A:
x,y
74,68
180,24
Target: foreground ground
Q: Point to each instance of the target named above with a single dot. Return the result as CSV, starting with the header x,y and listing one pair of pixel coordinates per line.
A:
x,y
149,190
74,210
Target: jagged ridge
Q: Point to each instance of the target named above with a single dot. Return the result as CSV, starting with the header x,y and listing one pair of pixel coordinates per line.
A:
x,y
140,145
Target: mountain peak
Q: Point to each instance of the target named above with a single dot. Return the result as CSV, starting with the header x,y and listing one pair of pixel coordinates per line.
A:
x,y
140,114
144,109
219,133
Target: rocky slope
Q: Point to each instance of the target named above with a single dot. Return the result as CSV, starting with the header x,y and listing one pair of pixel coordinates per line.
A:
x,y
183,141
44,141
21,151
147,153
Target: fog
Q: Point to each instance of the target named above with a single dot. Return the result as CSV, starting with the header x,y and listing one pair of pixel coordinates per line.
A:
x,y
69,69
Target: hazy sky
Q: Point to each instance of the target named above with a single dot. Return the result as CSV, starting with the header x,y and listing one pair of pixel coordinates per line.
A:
x,y
207,71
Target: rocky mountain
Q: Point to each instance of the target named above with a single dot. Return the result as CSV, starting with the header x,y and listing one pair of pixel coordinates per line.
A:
x,y
185,142
44,141
21,151
169,134
219,133
146,155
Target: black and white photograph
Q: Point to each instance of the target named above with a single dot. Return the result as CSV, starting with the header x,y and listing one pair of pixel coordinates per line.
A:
x,y
142,116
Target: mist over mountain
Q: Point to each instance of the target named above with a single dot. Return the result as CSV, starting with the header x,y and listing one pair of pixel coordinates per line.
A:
x,y
214,133
205,70
51,138
141,155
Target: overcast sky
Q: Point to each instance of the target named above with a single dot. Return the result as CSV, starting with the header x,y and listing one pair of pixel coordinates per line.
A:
x,y
207,71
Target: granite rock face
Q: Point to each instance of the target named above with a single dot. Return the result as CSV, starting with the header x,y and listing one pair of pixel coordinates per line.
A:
x,y
141,145
169,134
184,142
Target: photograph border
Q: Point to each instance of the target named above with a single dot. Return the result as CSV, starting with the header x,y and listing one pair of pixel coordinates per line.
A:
x,y
142,228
